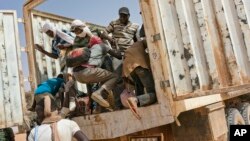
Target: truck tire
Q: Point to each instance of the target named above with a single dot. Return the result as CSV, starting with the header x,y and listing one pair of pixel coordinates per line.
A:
x,y
244,109
234,117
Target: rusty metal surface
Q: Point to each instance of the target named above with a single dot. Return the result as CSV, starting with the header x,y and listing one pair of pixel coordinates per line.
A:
x,y
226,59
11,87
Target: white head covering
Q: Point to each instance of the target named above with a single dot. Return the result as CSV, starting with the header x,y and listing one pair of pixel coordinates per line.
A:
x,y
78,23
83,26
47,26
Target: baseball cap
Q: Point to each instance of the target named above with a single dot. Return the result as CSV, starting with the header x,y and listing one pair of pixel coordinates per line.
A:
x,y
124,10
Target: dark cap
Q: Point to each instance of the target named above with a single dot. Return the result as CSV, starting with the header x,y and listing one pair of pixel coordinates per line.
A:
x,y
124,10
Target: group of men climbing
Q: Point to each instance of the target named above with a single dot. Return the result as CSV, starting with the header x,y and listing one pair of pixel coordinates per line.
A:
x,y
85,58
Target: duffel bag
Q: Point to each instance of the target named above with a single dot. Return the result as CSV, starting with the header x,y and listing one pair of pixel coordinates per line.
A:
x,y
77,57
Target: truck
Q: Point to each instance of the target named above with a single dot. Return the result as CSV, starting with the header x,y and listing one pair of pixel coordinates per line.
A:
x,y
199,55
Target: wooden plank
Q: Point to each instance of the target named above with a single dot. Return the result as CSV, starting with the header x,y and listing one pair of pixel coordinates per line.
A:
x,y
214,91
95,126
247,10
51,16
197,102
13,74
29,43
175,47
237,40
197,46
216,43
58,18
2,59
217,120
30,4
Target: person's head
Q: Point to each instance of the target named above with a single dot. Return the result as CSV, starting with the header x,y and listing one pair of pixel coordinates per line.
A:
x,y
44,108
124,15
80,28
60,76
49,30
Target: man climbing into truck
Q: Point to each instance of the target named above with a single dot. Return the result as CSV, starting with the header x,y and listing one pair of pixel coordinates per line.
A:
x,y
51,125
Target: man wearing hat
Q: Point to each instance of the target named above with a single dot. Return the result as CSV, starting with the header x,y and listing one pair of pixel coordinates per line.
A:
x,y
123,36
123,31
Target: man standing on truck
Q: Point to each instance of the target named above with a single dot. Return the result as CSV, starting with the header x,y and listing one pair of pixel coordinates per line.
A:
x,y
52,126
123,36
123,31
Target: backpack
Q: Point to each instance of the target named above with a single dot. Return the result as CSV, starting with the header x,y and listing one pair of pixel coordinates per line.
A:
x,y
78,57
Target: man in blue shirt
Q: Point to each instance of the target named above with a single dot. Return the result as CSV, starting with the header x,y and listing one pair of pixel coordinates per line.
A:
x,y
49,87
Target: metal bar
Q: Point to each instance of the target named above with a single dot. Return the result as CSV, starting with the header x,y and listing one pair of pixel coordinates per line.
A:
x,y
28,6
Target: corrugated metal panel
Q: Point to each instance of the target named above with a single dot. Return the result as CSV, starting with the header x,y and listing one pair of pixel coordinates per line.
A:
x,y
208,43
11,88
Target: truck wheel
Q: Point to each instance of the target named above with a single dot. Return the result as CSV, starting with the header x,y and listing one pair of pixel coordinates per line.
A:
x,y
234,117
244,109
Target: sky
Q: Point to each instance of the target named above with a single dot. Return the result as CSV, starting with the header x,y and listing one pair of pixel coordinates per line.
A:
x,y
100,12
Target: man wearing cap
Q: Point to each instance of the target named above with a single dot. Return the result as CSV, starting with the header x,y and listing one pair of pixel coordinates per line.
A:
x,y
123,36
123,31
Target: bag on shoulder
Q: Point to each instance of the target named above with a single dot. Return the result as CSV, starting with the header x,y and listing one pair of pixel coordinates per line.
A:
x,y
77,57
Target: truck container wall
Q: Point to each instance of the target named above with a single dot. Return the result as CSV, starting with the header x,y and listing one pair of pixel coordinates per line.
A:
x,y
11,80
207,43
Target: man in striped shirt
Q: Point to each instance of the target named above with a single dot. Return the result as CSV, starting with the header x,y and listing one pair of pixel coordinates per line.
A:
x,y
123,31
124,34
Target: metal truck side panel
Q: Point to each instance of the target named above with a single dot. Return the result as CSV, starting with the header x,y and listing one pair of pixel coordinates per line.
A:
x,y
11,87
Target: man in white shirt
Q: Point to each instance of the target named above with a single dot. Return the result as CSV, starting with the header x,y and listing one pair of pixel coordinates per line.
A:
x,y
53,127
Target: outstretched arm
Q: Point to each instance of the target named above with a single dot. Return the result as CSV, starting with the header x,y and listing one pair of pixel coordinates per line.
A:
x,y
40,48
